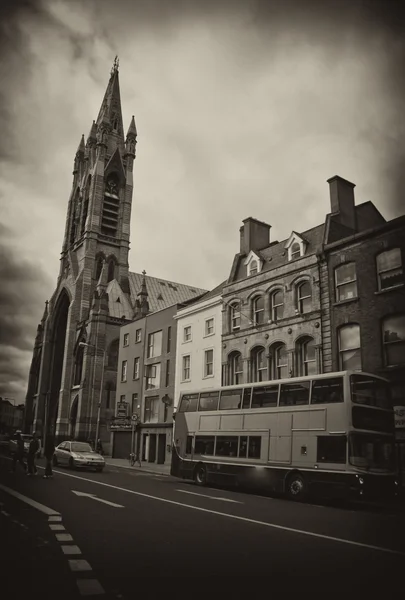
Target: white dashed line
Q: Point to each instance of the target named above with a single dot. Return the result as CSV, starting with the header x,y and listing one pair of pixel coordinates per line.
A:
x,y
79,565
64,537
56,527
6,514
54,519
89,587
210,497
71,549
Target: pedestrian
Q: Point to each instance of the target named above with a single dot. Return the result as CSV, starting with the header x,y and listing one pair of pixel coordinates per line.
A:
x,y
18,455
49,450
100,449
32,453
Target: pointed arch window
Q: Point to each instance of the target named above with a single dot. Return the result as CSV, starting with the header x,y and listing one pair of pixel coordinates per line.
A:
x,y
277,305
99,267
111,269
86,205
109,218
258,310
259,364
306,356
235,365
78,368
279,361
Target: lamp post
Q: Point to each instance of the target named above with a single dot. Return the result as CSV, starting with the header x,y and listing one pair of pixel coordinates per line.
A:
x,y
83,344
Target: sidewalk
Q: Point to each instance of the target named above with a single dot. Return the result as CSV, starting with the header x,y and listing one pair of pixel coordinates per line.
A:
x,y
123,463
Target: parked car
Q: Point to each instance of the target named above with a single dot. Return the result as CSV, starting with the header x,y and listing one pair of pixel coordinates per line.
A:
x,y
77,455
12,445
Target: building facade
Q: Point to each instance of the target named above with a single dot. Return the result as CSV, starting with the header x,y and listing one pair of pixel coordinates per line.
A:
x,y
198,354
72,379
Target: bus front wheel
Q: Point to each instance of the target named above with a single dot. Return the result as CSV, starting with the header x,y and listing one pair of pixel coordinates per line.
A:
x,y
296,487
200,475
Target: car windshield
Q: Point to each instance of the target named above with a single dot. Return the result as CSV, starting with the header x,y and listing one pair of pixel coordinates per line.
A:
x,y
371,452
78,447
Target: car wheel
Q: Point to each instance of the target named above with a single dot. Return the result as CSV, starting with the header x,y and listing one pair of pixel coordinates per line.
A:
x,y
200,475
296,488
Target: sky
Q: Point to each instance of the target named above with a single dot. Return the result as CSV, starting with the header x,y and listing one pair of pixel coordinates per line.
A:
x,y
243,108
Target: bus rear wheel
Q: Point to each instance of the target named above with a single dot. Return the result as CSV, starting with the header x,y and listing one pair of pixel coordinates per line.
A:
x,y
200,475
296,487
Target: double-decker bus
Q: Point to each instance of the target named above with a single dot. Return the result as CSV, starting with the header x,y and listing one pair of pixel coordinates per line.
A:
x,y
327,435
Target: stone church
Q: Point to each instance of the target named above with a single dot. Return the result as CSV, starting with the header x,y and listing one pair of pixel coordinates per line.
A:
x,y
72,379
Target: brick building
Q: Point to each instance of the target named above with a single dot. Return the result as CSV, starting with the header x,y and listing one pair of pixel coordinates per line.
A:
x,y
74,364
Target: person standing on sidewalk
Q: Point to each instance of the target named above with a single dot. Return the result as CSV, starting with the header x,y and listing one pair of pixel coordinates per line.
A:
x,y
49,450
18,456
32,453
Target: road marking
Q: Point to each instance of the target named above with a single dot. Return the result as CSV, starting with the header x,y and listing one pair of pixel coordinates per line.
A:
x,y
6,514
55,527
71,549
64,537
33,503
54,519
89,587
238,518
94,497
79,565
211,497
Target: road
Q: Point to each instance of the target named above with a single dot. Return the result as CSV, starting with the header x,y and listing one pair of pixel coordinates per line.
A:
x,y
126,528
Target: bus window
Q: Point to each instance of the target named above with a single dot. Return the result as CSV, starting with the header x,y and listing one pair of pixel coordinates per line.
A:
x,y
247,392
255,442
230,399
326,391
227,446
331,448
293,394
372,420
370,391
189,403
204,444
265,396
208,401
189,444
243,442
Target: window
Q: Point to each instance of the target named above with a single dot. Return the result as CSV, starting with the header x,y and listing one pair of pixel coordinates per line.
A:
x,y
345,282
189,403
306,355
152,409
138,336
331,449
258,310
227,446
326,391
294,394
186,368
389,269
187,334
371,451
258,365
167,381
204,444
134,403
209,326
295,250
304,297
265,396
370,391
208,363
279,362
394,340
235,368
277,305
122,398
253,268
372,420
153,377
349,348
124,370
235,316
230,399
111,270
111,205
250,447
209,401
154,344
189,444
169,339
136,368
126,339
78,366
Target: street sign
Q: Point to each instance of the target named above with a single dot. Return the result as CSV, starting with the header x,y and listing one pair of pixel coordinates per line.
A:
x,y
134,418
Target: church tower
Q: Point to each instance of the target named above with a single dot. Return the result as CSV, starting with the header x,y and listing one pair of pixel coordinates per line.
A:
x,y
74,366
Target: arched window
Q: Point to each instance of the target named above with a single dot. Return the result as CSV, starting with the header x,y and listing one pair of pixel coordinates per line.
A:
x,y
111,205
306,356
279,361
234,316
111,269
235,366
277,305
258,365
86,204
295,250
304,297
113,354
78,368
349,347
394,340
258,310
253,268
99,267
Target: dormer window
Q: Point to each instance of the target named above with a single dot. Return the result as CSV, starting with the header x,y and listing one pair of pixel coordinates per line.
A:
x,y
295,246
253,263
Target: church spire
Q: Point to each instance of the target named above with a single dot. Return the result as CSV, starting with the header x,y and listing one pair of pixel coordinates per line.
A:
x,y
130,142
109,120
141,303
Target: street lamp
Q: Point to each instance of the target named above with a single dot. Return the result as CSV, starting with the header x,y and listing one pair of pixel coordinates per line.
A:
x,y
83,344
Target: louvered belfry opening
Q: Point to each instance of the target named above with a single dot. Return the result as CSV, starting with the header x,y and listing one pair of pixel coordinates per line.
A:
x,y
111,205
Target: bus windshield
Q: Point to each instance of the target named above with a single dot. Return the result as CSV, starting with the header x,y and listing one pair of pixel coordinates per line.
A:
x,y
370,391
371,452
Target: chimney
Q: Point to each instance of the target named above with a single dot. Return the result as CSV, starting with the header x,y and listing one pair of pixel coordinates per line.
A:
x,y
342,201
254,235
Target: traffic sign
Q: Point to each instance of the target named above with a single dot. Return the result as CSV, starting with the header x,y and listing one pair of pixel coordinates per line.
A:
x,y
134,418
